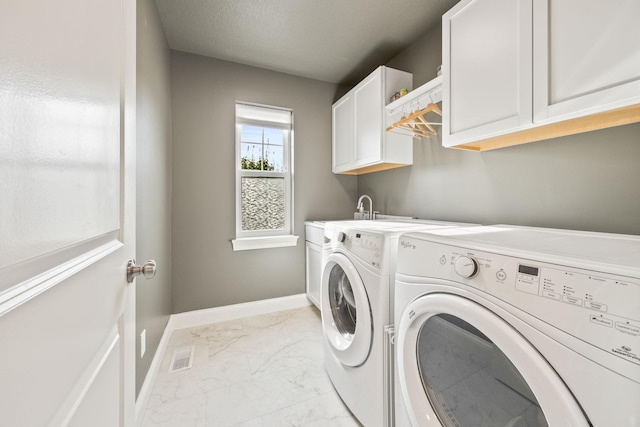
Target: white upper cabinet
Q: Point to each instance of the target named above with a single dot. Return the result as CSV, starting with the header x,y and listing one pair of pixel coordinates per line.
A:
x,y
525,70
369,106
587,57
486,69
344,153
360,143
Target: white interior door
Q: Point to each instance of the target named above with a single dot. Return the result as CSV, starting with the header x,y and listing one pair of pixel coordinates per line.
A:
x,y
67,212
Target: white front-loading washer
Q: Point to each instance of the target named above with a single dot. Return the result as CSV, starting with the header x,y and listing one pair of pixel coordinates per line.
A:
x,y
356,287
515,326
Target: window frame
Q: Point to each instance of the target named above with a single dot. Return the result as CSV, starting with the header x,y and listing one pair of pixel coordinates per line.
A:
x,y
260,239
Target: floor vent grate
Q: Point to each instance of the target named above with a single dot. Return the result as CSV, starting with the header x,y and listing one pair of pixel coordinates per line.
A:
x,y
182,359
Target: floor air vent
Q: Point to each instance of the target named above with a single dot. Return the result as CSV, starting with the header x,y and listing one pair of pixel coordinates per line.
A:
x,y
182,359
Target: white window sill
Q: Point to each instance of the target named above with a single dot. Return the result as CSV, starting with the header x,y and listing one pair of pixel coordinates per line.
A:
x,y
265,242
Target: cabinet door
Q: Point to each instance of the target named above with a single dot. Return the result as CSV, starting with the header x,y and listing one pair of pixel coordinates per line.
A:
x,y
586,57
368,119
314,272
342,138
487,69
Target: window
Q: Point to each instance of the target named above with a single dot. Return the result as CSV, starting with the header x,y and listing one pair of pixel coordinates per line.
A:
x,y
264,147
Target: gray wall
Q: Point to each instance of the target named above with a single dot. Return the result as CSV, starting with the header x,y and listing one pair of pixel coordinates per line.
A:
x,y
206,272
153,297
589,181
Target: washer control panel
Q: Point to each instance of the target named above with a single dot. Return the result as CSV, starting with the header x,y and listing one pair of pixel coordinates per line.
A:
x,y
367,246
599,308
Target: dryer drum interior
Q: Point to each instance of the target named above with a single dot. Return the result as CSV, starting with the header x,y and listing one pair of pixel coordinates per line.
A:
x,y
342,301
469,381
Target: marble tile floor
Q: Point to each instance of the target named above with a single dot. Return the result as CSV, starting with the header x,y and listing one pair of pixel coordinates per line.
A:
x,y
265,370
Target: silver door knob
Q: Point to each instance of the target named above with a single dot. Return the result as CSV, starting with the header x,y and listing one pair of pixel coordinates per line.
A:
x,y
148,270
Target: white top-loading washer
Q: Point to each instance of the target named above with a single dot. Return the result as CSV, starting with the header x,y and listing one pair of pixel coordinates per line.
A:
x,y
356,305
516,326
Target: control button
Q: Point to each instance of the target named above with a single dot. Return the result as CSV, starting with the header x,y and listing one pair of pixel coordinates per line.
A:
x,y
527,284
571,300
443,260
550,294
628,328
466,267
602,321
501,275
595,306
341,236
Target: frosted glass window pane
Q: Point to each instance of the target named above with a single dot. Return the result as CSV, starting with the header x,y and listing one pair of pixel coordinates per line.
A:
x,y
263,203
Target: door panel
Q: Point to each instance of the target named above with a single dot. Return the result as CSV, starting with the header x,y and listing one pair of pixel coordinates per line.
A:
x,y
368,119
585,62
601,59
67,103
487,60
343,136
61,160
92,409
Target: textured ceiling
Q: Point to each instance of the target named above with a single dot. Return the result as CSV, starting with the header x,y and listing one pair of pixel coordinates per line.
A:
x,y
337,41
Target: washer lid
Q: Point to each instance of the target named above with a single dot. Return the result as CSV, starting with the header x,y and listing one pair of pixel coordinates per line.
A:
x,y
346,313
462,365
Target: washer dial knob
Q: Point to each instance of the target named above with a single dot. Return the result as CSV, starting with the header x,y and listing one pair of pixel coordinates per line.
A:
x,y
466,267
341,236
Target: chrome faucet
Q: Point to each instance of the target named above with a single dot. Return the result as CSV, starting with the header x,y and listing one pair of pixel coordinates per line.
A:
x,y
360,206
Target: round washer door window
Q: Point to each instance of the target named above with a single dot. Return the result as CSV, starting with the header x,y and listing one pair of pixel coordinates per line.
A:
x,y
342,302
461,365
469,380
346,315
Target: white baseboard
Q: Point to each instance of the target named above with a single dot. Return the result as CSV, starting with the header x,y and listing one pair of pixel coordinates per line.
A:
x,y
236,311
145,391
191,319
